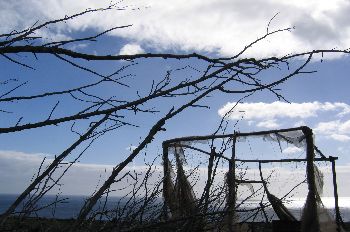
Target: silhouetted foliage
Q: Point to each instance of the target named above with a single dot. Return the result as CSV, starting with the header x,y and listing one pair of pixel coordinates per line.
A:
x,y
238,75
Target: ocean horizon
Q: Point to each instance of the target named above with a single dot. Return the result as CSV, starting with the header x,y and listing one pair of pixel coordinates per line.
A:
x,y
72,204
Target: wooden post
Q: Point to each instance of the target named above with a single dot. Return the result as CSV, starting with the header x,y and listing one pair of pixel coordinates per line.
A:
x,y
165,189
310,222
231,184
335,191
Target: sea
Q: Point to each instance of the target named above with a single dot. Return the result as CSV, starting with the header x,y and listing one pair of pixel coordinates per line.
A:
x,y
70,207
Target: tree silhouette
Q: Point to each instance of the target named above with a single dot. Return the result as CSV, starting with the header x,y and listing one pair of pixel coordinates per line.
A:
x,y
238,75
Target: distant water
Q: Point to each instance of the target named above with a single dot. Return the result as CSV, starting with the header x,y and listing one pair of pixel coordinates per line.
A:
x,y
71,207
66,209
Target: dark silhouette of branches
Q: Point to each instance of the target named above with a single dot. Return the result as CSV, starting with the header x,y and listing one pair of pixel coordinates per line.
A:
x,y
238,74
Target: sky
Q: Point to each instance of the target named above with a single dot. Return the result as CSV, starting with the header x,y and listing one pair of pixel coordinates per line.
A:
x,y
213,28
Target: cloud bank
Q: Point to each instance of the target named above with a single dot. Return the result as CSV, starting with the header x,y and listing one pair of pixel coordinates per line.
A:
x,y
221,27
277,109
276,114
17,168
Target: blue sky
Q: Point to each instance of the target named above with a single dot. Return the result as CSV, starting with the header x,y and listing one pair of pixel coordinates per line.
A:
x,y
319,100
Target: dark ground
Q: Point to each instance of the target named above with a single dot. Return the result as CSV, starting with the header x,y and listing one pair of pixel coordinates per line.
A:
x,y
40,224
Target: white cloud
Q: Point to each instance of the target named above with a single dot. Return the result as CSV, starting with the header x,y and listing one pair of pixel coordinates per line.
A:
x,y
292,150
328,127
270,124
131,49
277,109
337,130
222,27
276,114
341,138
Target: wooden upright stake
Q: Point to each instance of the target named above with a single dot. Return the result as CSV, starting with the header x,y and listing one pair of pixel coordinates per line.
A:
x,y
335,191
310,221
231,183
